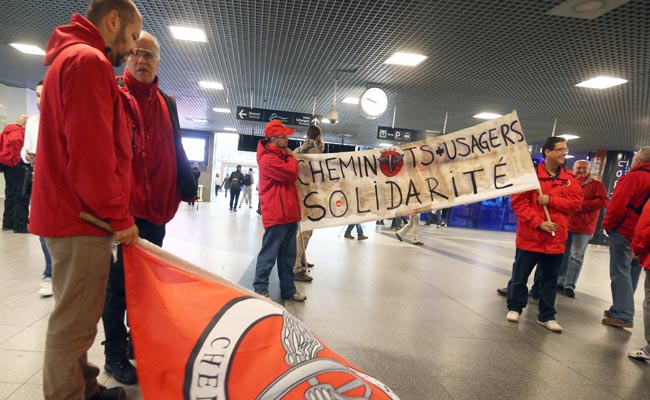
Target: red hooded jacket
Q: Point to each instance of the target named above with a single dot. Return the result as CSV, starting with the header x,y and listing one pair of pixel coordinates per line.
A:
x,y
84,147
630,191
13,136
155,196
594,199
278,192
565,198
641,242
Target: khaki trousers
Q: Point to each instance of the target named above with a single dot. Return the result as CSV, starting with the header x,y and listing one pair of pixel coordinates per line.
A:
x,y
302,240
80,266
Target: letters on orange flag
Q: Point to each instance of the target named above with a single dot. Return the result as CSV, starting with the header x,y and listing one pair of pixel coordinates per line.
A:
x,y
196,338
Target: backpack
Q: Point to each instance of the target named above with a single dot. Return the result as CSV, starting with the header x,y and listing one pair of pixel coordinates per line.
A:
x,y
247,180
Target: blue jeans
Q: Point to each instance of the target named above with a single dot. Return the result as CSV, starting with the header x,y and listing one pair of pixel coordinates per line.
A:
x,y
48,260
572,263
624,275
548,266
278,243
349,230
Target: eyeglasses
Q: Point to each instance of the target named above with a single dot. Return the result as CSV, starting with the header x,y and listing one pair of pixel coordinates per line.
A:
x,y
562,150
147,54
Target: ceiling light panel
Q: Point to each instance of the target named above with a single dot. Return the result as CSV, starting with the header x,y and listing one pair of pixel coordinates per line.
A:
x,y
408,59
28,49
487,115
189,34
602,82
221,110
211,85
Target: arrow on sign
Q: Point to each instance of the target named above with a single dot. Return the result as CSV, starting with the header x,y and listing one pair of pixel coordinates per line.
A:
x,y
242,114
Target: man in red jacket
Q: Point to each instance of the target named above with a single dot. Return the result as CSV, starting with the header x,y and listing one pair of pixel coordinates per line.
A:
x,y
641,249
540,241
84,162
155,194
280,211
630,195
16,210
582,225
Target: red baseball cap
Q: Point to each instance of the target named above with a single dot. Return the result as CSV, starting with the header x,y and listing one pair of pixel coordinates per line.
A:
x,y
277,128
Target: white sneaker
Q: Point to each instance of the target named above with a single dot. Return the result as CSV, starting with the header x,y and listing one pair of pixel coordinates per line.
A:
x,y
551,325
640,354
513,316
45,289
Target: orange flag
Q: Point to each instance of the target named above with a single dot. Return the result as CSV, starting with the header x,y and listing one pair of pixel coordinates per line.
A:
x,y
200,337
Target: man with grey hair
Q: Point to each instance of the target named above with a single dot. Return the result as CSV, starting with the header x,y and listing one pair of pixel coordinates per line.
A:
x,y
630,195
81,97
582,226
156,190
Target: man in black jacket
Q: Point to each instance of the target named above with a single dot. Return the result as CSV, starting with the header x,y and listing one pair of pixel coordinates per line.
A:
x,y
236,181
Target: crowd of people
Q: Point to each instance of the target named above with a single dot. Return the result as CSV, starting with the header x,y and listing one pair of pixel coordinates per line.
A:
x,y
145,175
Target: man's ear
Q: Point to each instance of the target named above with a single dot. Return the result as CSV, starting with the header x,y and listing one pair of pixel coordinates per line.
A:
x,y
112,21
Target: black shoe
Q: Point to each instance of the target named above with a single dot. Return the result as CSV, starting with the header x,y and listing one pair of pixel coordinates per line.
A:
x,y
568,292
114,393
122,370
502,292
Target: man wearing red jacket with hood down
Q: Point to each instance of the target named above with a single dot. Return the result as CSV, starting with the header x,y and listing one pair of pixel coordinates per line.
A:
x,y
641,249
540,241
84,166
630,195
16,211
280,211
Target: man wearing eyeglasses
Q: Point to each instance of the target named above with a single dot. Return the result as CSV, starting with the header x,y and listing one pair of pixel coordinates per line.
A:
x,y
278,173
539,241
155,189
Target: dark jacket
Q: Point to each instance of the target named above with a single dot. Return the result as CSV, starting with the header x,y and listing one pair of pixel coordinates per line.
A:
x,y
236,180
595,199
13,137
155,195
630,192
84,148
277,185
565,198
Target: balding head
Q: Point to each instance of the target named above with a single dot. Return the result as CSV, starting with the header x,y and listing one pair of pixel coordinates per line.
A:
x,y
581,169
143,64
643,156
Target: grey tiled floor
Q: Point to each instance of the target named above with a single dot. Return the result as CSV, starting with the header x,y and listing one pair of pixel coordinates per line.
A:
x,y
424,320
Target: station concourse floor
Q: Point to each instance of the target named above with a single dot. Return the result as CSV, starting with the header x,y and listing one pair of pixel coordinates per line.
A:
x,y
425,320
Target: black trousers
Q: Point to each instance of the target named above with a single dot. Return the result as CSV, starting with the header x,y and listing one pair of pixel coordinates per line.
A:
x,y
548,266
234,197
16,212
115,306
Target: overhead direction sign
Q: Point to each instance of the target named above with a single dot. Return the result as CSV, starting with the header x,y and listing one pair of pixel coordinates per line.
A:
x,y
398,134
287,117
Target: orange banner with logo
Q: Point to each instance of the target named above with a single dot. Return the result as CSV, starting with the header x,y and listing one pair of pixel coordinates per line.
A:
x,y
197,336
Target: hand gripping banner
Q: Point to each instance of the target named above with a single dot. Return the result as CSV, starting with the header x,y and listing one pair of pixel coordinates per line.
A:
x,y
199,337
478,163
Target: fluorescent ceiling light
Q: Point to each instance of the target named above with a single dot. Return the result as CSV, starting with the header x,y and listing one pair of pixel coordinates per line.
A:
x,y
408,59
221,110
569,156
602,82
190,34
230,129
28,49
351,100
211,85
431,131
325,120
487,115
385,145
568,136
199,120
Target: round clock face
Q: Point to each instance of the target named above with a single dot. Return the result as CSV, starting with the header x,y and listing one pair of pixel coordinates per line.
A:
x,y
373,102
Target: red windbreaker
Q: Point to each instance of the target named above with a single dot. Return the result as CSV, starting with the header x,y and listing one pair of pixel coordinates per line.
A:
x,y
84,147
641,243
13,137
565,199
278,192
630,190
155,195
594,199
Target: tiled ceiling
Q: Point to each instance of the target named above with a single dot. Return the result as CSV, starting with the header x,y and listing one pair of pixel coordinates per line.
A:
x,y
484,55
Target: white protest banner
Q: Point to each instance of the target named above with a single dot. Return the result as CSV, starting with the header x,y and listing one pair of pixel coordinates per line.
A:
x,y
482,162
